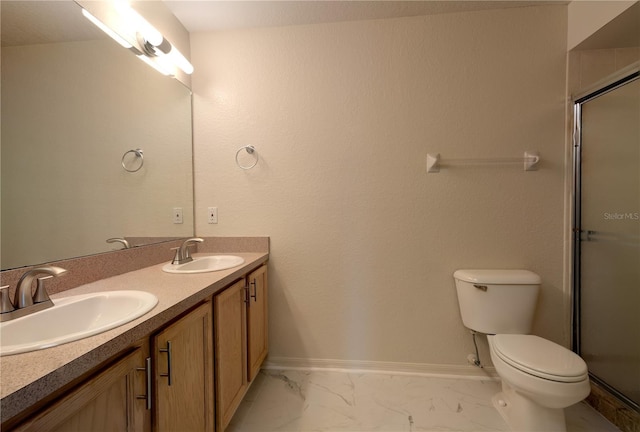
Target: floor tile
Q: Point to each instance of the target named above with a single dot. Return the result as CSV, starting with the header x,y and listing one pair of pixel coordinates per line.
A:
x,y
306,401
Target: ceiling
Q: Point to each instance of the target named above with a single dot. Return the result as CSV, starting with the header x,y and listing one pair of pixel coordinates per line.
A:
x,y
203,16
36,22
45,21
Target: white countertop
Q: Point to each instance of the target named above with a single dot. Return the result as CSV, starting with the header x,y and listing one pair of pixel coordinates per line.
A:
x,y
27,378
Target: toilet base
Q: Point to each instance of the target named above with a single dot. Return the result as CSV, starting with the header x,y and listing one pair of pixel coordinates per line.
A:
x,y
522,414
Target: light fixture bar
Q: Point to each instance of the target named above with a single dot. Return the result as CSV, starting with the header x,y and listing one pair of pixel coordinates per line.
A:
x,y
102,26
157,51
137,24
156,65
180,61
165,52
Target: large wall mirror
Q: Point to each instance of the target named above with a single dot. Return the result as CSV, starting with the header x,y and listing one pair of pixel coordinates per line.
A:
x,y
74,102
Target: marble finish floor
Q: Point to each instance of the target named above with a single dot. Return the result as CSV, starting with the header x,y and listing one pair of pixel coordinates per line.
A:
x,y
304,401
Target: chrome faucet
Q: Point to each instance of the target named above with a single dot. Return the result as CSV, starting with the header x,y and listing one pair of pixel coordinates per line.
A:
x,y
182,252
24,297
26,301
124,242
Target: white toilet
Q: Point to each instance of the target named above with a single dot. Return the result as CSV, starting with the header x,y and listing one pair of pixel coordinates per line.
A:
x,y
539,378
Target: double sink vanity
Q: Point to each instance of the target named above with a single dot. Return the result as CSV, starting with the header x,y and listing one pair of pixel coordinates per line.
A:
x,y
99,358
164,347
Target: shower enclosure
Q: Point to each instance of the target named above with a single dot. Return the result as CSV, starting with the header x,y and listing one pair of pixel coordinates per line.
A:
x,y
607,235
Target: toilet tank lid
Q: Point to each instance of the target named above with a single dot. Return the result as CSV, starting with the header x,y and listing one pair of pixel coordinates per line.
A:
x,y
498,277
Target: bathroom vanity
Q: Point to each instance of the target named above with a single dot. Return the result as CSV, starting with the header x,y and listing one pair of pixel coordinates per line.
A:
x,y
185,365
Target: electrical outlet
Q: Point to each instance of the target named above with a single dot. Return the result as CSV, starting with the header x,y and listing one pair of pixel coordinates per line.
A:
x,y
177,215
212,215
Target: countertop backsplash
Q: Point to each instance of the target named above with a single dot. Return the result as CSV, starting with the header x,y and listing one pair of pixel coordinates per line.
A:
x,y
84,270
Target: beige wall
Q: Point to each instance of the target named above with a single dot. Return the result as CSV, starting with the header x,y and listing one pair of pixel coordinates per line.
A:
x,y
363,241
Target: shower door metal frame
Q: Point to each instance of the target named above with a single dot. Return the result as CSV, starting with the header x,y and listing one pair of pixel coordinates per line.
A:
x,y
617,80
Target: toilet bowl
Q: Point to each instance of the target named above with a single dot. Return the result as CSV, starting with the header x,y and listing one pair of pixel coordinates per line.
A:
x,y
539,377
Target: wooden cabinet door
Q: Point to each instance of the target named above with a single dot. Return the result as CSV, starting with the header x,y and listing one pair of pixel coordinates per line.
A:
x,y
257,321
107,402
183,373
230,351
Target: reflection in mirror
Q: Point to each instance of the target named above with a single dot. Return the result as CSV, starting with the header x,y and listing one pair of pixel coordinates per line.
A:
x,y
74,103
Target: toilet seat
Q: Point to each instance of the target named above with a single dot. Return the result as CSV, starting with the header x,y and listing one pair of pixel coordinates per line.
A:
x,y
540,357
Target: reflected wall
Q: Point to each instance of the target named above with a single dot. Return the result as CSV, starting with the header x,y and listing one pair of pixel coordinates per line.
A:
x,y
69,112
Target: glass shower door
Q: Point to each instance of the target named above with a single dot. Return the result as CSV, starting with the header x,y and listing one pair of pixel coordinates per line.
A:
x,y
608,237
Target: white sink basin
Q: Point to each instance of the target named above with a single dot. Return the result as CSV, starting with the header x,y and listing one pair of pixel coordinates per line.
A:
x,y
72,318
205,264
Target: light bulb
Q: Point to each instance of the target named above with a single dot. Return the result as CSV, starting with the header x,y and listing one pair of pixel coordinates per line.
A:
x,y
180,61
156,65
137,23
106,29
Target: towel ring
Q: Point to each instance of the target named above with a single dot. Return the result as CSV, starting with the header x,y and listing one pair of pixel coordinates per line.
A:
x,y
138,153
252,151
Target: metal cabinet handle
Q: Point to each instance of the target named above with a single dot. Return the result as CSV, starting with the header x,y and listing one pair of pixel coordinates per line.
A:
x,y
147,370
255,290
246,294
168,351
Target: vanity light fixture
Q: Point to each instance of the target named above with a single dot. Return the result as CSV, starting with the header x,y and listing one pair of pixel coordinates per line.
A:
x,y
102,26
157,51
154,64
152,41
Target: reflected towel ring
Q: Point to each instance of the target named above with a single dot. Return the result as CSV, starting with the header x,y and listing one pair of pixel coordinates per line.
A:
x,y
139,154
252,151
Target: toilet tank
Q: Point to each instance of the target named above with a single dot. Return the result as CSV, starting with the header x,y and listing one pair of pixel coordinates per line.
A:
x,y
497,301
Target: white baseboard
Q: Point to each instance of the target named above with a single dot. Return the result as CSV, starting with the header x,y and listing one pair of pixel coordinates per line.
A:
x,y
357,366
